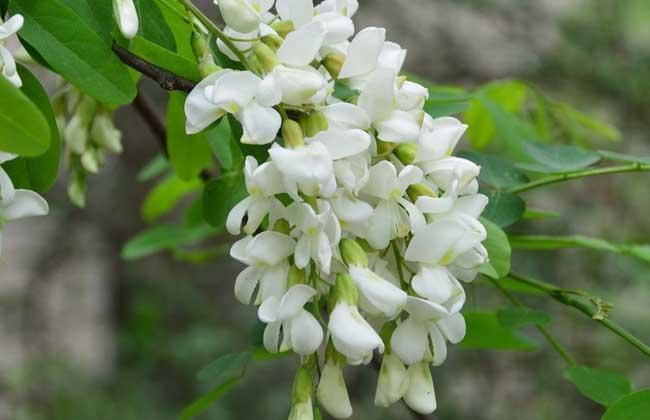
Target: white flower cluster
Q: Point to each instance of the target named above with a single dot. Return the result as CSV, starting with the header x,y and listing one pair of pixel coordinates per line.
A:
x,y
17,203
7,62
361,225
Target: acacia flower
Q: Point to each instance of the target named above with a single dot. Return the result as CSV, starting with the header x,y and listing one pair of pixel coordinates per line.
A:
x,y
126,16
7,62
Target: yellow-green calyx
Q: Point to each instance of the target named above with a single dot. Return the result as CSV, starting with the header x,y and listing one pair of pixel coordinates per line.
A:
x,y
416,191
266,56
273,41
313,123
302,386
282,226
296,276
334,63
283,28
353,253
345,290
406,153
292,134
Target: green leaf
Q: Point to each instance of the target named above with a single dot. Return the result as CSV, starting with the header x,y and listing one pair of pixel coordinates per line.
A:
x,y
560,158
4,4
202,404
444,101
153,26
221,195
23,128
164,238
226,367
635,406
164,58
504,209
485,332
492,112
517,317
156,167
600,385
75,50
580,121
537,214
37,173
222,143
496,172
98,15
499,251
165,196
519,287
189,154
625,158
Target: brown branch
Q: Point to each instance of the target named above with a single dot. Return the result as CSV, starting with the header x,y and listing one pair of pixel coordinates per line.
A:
x,y
165,78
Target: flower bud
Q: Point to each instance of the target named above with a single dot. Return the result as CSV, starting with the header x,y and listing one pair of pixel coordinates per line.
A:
x,y
301,406
77,189
104,133
126,16
76,132
345,290
199,44
292,134
393,382
333,63
353,253
282,226
420,395
416,191
332,392
283,27
90,161
313,123
239,15
266,56
406,153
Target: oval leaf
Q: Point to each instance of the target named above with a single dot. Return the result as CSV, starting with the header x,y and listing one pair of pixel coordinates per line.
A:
x,y
485,332
504,209
496,172
518,317
499,251
559,158
632,407
23,128
600,385
221,195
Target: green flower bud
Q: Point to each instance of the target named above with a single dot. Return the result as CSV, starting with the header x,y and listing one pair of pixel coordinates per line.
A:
x,y
385,147
345,290
406,153
90,161
313,123
292,134
266,56
104,133
282,226
334,63
302,386
353,253
76,132
255,65
416,191
77,189
200,45
283,28
273,41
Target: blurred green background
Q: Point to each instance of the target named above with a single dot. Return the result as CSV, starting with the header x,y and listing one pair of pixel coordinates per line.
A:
x,y
85,335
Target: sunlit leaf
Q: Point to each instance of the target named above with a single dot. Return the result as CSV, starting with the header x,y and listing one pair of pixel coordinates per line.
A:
x,y
153,26
166,195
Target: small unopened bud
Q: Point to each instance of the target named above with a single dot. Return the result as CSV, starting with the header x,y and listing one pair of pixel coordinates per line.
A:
x,y
254,65
313,123
301,395
385,147
345,290
126,16
90,161
282,226
77,130
239,15
283,27
332,392
296,276
77,189
353,253
273,41
334,63
266,56
416,191
199,44
292,134
105,135
406,153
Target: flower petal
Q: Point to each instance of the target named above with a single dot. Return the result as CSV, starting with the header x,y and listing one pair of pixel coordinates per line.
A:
x,y
392,383
26,203
293,301
346,115
420,396
272,336
236,216
363,52
270,247
261,124
343,143
7,191
377,98
409,341
246,283
453,328
306,333
301,46
300,12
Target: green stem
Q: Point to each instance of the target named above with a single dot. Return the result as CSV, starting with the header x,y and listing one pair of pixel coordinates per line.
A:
x,y
216,31
175,10
545,333
398,262
554,179
569,299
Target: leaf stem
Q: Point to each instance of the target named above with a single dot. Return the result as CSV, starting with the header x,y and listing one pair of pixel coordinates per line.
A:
x,y
569,299
554,179
398,262
543,330
216,31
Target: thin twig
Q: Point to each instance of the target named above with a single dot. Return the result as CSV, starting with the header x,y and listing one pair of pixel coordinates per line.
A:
x,y
165,78
569,299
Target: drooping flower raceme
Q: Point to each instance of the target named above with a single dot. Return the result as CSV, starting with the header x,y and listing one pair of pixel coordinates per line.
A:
x,y
361,225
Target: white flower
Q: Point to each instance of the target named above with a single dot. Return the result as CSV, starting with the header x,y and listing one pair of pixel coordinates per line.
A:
x,y
7,62
429,323
353,214
266,255
126,16
302,411
300,12
347,116
420,395
377,295
306,167
394,215
17,204
445,172
301,331
438,285
332,392
319,234
363,53
352,336
353,172
393,381
345,7
438,138
412,96
262,183
243,15
233,92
